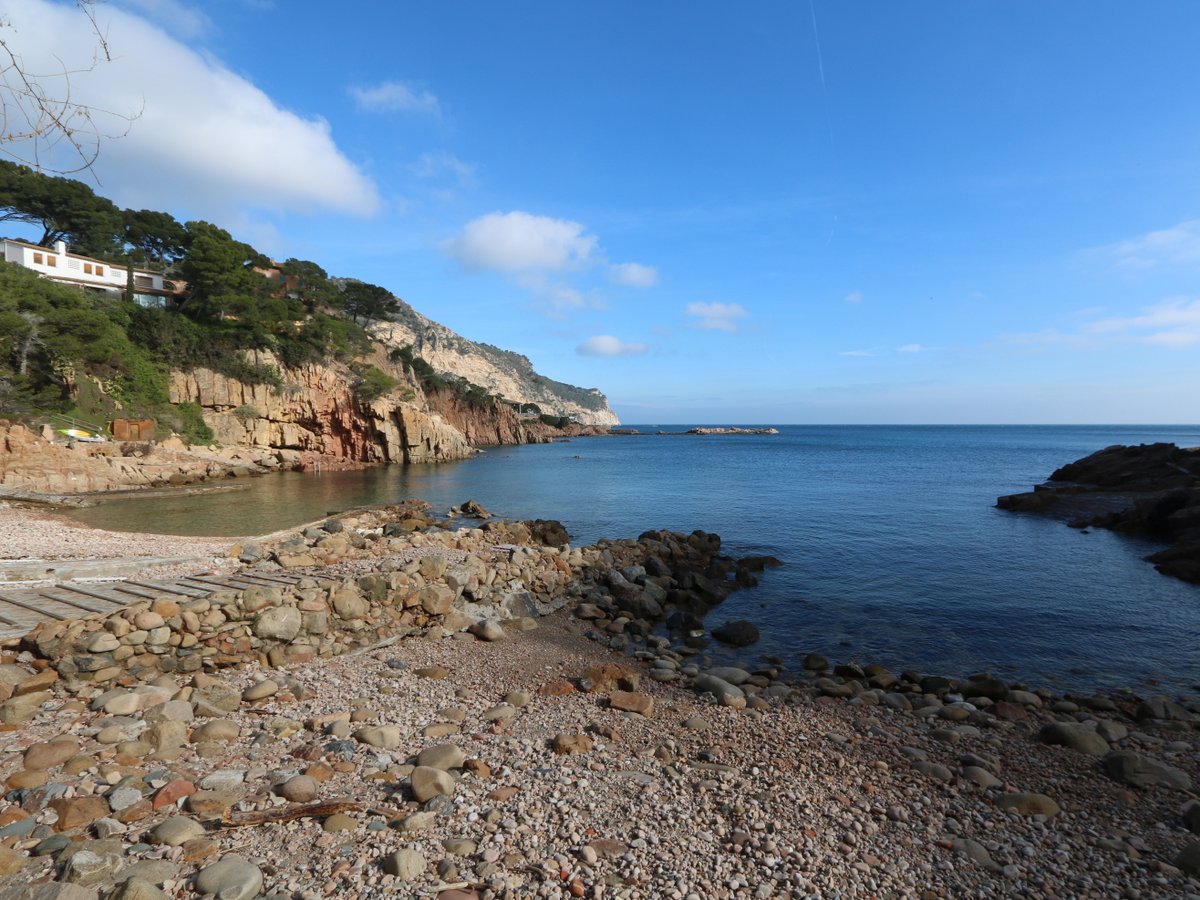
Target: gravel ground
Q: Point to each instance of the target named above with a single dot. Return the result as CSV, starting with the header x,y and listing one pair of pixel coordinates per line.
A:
x,y
809,798
35,534
806,797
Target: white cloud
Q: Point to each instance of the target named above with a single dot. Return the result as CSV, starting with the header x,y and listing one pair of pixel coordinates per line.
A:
x,y
176,17
854,298
206,139
607,345
1179,245
1173,323
555,298
394,96
856,353
911,348
716,316
633,275
435,165
521,242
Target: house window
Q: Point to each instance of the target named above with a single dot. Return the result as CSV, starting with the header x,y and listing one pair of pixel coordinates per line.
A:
x,y
99,270
143,281
37,259
51,261
87,268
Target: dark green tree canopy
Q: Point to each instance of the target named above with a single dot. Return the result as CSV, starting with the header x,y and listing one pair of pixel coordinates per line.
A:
x,y
217,265
65,210
366,301
152,236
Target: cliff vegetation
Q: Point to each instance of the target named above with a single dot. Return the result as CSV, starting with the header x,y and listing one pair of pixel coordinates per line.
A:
x,y
248,351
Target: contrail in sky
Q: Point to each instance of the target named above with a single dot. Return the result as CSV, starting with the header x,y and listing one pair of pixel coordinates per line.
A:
x,y
817,34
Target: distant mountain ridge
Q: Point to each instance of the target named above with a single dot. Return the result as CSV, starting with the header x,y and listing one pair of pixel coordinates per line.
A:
x,y
502,372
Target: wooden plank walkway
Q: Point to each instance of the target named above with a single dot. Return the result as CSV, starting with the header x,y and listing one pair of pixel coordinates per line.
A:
x,y
21,609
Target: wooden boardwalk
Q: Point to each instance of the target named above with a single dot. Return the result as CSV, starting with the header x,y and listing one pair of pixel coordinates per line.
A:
x,y
23,608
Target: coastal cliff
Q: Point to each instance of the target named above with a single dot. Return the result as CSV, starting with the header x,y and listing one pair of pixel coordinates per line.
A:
x,y
501,372
1149,491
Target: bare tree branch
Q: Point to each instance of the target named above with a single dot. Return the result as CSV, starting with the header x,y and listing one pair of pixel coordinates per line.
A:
x,y
42,125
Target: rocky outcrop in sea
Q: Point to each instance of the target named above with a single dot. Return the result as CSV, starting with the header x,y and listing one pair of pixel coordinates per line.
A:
x,y
1149,491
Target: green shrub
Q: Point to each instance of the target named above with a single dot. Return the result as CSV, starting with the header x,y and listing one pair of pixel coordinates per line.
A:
x,y
372,383
189,424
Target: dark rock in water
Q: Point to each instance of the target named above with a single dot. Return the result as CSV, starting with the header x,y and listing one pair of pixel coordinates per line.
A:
x,y
815,662
549,532
758,563
746,579
472,509
1151,491
683,620
936,684
850,670
992,688
738,633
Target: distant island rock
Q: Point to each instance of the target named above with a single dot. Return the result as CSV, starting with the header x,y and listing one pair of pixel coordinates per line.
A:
x,y
1149,491
732,431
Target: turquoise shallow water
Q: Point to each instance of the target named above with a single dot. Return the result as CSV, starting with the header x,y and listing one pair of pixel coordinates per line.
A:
x,y
893,549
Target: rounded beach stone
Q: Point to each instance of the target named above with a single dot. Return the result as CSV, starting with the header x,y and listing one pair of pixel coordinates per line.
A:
x,y
385,737
442,756
261,690
216,730
428,782
339,822
232,877
404,864
1078,736
175,831
49,754
299,789
280,623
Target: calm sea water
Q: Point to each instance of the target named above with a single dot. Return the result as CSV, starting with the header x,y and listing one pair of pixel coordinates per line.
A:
x,y
893,550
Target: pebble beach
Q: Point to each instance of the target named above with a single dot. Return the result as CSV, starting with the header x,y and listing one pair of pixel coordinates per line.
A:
x,y
547,757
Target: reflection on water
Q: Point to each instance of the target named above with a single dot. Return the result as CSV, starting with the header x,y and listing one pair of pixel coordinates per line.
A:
x,y
270,503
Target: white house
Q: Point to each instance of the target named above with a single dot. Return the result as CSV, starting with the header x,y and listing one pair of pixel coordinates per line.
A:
x,y
55,263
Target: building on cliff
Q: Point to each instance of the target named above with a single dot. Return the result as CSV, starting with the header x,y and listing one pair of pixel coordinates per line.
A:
x,y
58,264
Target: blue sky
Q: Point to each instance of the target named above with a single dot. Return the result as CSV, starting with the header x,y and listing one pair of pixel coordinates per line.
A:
x,y
714,212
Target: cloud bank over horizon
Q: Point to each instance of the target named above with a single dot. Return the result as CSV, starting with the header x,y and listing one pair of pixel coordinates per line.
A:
x,y
202,137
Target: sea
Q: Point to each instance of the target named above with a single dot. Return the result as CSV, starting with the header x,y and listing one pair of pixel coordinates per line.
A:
x,y
893,550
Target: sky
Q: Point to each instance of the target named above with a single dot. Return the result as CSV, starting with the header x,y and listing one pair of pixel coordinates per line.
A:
x,y
769,213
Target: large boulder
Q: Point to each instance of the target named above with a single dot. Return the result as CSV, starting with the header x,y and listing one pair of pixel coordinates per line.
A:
x,y
1140,770
1080,737
737,633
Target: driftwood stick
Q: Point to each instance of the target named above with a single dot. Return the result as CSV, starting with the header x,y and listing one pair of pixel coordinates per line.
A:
x,y
232,818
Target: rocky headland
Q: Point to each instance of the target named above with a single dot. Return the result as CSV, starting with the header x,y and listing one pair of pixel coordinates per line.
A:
x,y
1149,491
732,430
491,712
